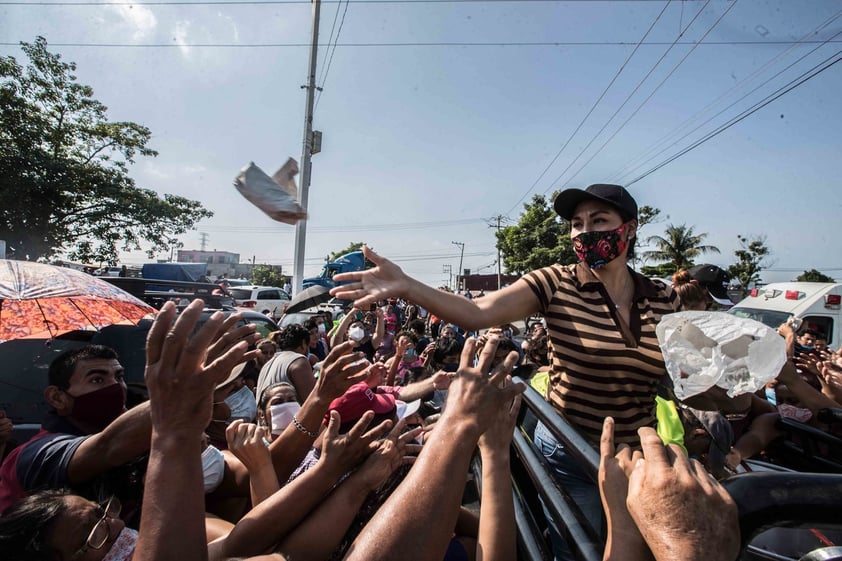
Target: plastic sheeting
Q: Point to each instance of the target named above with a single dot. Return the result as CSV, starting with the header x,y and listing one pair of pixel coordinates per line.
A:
x,y
703,349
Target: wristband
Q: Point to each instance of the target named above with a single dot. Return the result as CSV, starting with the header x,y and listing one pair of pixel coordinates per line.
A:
x,y
302,428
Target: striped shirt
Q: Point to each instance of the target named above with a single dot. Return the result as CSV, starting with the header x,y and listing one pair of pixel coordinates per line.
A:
x,y
602,366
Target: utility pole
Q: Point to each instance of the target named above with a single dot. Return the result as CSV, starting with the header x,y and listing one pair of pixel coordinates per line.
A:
x,y
448,270
461,255
306,152
499,219
203,240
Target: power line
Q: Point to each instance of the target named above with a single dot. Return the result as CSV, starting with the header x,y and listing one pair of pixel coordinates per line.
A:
x,y
347,228
700,125
645,101
591,110
816,70
329,39
628,97
420,43
330,60
277,2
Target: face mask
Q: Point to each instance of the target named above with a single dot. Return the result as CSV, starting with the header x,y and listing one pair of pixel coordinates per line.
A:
x,y
409,355
123,547
450,367
213,468
597,249
808,347
98,408
321,328
282,415
356,334
242,404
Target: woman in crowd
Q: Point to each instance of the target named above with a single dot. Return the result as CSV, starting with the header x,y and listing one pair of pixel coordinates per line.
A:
x,y
601,317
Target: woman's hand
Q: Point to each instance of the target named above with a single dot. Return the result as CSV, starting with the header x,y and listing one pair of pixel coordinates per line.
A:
x,y
344,452
367,287
247,441
340,370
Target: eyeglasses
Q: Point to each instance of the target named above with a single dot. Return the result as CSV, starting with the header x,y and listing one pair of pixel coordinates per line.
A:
x,y
101,530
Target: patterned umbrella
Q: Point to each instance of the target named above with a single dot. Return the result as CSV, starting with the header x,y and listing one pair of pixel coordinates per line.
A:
x,y
42,301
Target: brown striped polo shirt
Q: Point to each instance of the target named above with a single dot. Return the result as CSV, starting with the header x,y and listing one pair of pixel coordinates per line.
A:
x,y
600,366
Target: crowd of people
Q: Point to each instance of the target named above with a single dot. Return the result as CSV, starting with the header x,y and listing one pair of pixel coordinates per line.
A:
x,y
351,437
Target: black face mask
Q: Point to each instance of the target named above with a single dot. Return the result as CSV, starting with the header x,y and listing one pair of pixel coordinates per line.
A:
x,y
450,367
100,407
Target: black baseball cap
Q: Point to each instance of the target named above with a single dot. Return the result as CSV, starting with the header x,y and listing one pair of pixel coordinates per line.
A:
x,y
715,280
566,202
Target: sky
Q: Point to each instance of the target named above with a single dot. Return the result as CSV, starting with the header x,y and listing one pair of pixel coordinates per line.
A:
x,y
438,116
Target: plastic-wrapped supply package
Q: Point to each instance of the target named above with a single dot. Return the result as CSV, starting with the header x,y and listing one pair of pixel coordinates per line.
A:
x,y
703,349
273,195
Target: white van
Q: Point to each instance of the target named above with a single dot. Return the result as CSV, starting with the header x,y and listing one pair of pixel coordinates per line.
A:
x,y
817,304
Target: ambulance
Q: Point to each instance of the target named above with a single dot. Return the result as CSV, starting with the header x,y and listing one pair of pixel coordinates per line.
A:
x,y
806,305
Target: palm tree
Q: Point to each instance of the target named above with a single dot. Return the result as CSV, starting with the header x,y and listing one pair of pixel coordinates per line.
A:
x,y
678,247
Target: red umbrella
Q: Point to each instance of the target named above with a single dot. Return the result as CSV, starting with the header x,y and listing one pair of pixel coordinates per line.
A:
x,y
42,301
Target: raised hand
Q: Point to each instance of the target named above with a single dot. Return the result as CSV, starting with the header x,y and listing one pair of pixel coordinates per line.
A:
x,y
475,397
180,382
498,436
681,511
229,335
247,441
346,451
392,452
341,369
624,539
366,287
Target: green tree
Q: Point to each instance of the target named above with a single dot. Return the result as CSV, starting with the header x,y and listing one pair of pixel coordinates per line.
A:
x,y
661,271
353,246
540,238
678,247
752,257
267,275
813,276
64,182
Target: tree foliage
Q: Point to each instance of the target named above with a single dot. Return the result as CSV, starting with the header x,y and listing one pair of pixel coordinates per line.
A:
x,y
678,247
64,183
353,246
813,276
752,257
540,238
267,275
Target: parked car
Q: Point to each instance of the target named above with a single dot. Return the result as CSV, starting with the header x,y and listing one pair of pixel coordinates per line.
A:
x,y
269,300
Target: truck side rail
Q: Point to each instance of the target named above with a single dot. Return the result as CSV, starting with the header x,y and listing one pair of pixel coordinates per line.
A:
x,y
764,500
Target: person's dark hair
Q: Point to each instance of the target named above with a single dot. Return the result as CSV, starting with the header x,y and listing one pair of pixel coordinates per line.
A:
x,y
327,315
310,324
292,336
446,347
266,395
417,326
24,526
688,289
62,367
506,344
412,336
812,332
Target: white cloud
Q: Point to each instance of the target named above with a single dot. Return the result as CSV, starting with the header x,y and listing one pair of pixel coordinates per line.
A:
x,y
182,37
139,18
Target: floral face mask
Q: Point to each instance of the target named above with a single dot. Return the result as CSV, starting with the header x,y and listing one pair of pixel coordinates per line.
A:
x,y
597,249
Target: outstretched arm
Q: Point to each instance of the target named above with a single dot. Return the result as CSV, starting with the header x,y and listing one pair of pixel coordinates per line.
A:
x,y
423,532
180,396
386,280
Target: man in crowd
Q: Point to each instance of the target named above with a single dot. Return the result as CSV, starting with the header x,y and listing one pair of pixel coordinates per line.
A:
x,y
291,364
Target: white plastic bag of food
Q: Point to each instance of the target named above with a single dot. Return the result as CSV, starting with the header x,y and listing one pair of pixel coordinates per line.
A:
x,y
274,196
703,349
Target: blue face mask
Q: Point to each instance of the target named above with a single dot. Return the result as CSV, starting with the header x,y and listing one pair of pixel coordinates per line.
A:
x,y
242,404
409,355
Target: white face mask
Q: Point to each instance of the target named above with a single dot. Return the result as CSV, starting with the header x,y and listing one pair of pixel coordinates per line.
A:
x,y
243,405
213,468
282,414
356,334
322,329
123,547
